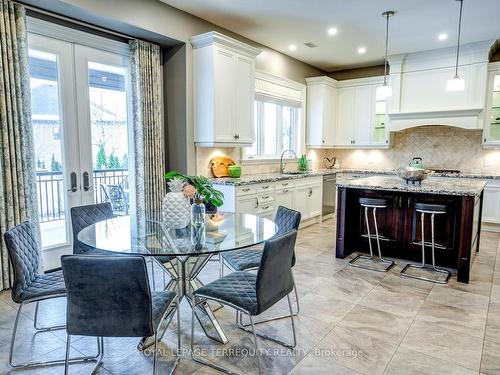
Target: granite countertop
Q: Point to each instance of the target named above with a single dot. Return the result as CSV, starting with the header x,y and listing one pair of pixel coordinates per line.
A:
x,y
470,187
271,177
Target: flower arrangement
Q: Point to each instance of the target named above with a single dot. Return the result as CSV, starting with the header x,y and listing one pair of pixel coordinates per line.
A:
x,y
199,188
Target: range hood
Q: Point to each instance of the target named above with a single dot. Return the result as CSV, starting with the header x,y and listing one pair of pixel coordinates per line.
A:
x,y
419,88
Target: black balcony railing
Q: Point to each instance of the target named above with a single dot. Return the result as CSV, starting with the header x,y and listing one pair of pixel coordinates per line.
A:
x,y
51,193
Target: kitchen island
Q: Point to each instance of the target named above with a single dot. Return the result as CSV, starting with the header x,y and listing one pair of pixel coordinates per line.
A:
x,y
457,233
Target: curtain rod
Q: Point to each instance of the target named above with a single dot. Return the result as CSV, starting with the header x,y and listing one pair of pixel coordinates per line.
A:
x,y
61,17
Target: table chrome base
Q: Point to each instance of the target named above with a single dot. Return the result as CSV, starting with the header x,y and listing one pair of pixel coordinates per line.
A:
x,y
374,260
405,274
184,282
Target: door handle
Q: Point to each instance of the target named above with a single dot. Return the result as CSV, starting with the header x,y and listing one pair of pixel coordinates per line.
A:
x,y
86,182
73,182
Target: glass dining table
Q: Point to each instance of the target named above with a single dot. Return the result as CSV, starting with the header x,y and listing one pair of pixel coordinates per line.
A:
x,y
182,253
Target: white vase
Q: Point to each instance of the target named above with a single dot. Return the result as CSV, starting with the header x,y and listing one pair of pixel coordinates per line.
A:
x,y
176,208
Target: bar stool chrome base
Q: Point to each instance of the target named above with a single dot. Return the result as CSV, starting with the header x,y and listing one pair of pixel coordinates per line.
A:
x,y
432,210
405,274
374,204
373,260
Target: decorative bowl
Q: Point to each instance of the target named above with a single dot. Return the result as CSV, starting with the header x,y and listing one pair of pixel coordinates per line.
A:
x,y
412,174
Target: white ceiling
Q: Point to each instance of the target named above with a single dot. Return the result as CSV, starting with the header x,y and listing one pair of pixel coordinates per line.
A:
x,y
415,27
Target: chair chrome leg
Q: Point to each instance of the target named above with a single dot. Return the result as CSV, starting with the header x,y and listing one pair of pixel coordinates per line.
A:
x,y
257,354
191,345
13,338
100,351
41,363
155,353
68,349
276,317
293,322
280,342
296,295
44,329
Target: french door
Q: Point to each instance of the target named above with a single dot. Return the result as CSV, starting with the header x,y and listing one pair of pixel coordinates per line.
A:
x,y
80,115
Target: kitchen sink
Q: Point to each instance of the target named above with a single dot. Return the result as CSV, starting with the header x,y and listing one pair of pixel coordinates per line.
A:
x,y
293,173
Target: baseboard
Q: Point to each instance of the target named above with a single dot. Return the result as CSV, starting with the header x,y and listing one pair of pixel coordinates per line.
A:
x,y
490,227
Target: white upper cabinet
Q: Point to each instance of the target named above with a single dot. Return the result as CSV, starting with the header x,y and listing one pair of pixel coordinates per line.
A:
x,y
345,117
361,116
321,111
224,79
345,114
492,114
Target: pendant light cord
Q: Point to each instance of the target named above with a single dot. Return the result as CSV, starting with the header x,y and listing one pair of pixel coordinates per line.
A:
x,y
459,31
386,43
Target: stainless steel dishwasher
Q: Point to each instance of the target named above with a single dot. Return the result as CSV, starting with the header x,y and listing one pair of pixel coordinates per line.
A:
x,y
329,195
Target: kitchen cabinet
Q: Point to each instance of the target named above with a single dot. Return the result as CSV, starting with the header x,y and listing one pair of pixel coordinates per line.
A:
x,y
491,206
363,115
308,198
284,194
321,111
345,117
345,114
492,116
247,204
303,195
360,117
224,79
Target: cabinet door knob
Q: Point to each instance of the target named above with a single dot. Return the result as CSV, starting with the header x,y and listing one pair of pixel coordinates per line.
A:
x,y
485,140
323,141
310,192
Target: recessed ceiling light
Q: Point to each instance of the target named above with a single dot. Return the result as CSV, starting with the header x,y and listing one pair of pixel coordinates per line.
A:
x,y
332,31
361,50
292,47
443,36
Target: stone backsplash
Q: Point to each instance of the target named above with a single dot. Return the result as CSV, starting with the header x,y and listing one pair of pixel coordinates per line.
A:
x,y
439,146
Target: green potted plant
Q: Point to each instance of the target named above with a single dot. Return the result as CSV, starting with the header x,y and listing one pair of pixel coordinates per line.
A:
x,y
202,192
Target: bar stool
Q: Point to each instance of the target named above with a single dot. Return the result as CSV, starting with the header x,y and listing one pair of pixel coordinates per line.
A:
x,y
372,203
431,209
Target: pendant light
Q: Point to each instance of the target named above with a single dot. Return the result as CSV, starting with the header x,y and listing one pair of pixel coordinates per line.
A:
x,y
385,90
457,83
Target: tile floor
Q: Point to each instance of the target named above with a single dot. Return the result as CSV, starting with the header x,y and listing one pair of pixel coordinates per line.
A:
x,y
351,321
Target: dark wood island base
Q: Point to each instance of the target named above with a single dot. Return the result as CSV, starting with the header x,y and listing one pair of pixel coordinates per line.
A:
x,y
457,233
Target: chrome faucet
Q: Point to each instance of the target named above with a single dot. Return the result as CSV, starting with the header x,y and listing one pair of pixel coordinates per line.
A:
x,y
282,165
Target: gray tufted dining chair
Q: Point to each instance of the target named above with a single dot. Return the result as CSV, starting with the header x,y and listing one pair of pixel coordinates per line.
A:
x,y
121,306
30,286
83,216
252,294
248,259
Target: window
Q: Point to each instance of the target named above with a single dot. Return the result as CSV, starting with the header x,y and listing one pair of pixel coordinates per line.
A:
x,y
277,127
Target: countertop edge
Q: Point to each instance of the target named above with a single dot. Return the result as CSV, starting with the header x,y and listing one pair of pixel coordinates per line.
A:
x,y
248,179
